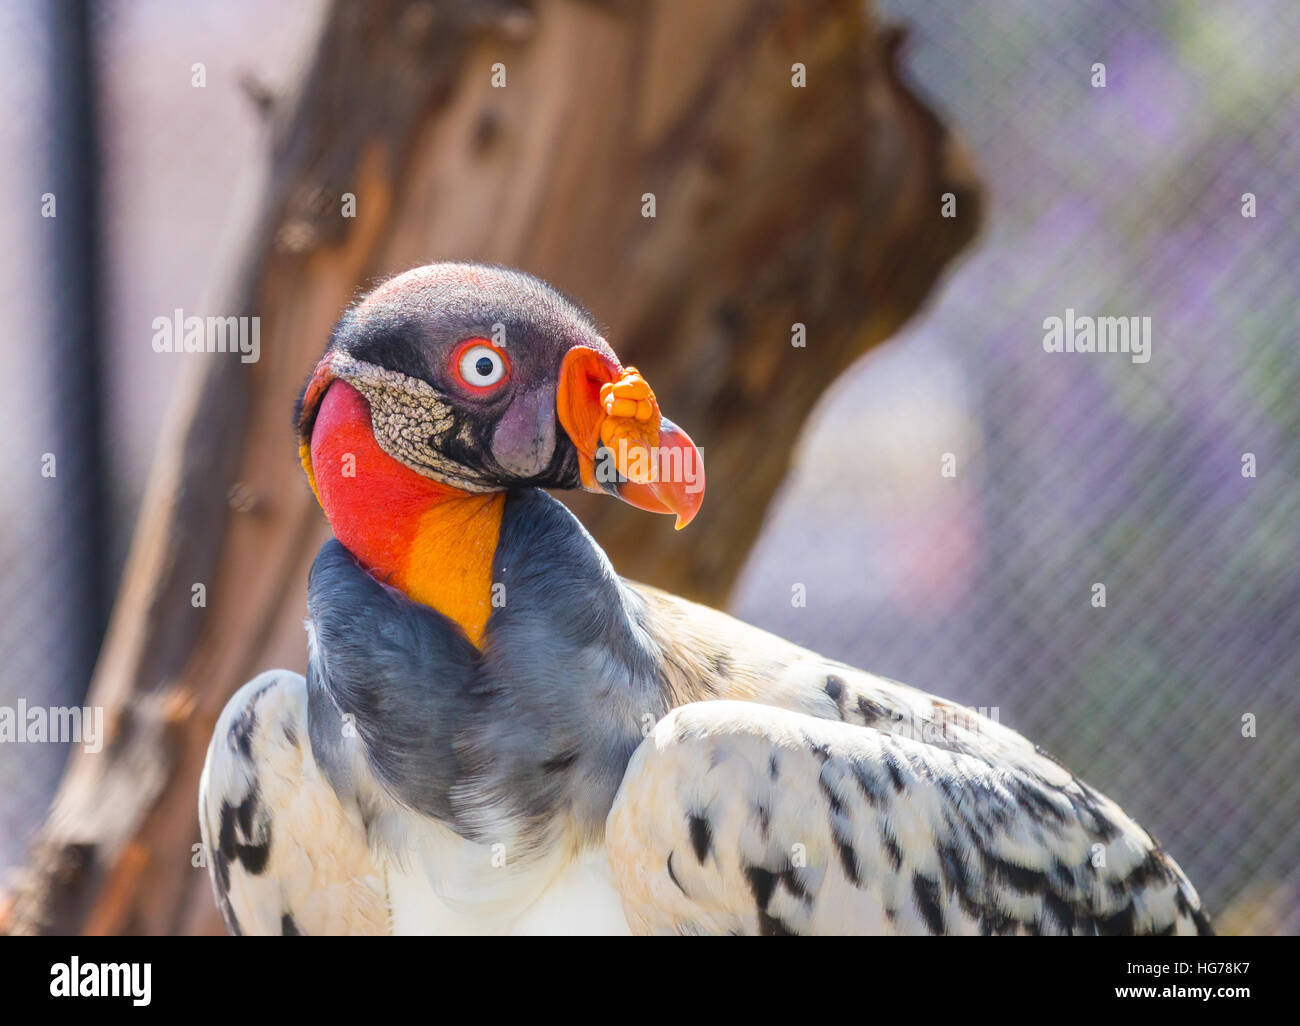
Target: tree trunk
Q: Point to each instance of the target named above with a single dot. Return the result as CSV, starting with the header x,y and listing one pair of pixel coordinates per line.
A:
x,y
775,205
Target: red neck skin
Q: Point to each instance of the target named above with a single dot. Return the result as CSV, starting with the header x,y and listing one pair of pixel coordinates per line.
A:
x,y
433,542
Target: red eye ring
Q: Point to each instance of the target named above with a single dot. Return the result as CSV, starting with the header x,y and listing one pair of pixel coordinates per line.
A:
x,y
479,367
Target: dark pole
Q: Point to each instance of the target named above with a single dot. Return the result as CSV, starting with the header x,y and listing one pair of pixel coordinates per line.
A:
x,y
75,354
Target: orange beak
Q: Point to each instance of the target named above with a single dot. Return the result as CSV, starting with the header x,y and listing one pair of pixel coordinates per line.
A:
x,y
625,447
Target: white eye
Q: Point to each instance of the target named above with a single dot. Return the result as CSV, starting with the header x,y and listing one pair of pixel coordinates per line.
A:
x,y
482,366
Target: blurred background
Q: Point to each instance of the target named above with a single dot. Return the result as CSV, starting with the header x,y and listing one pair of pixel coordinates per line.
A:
x,y
1071,469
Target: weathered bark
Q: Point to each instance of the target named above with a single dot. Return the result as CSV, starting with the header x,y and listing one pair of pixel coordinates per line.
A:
x,y
774,205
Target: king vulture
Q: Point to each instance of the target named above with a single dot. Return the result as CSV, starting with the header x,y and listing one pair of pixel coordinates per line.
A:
x,y
499,734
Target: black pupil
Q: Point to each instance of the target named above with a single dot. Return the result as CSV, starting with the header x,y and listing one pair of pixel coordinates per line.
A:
x,y
483,366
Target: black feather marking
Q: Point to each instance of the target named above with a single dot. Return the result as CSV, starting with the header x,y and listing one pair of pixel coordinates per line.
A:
x,y
673,876
895,853
995,923
291,735
822,752
288,928
255,856
1060,909
701,836
1119,925
222,865
237,822
1019,878
1104,828
241,731
1202,921
771,926
953,868
1061,877
849,860
872,789
1031,796
926,890
832,799
226,833
834,687
796,887
872,712
762,883
244,814
843,842
1151,869
891,764
221,884
773,770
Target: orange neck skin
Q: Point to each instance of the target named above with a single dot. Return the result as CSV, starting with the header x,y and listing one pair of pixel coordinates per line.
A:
x,y
432,542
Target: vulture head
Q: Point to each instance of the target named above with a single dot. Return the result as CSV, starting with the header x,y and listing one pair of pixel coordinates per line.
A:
x,y
466,381
484,379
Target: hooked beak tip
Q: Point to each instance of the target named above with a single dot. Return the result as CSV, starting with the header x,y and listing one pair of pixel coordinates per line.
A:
x,y
659,470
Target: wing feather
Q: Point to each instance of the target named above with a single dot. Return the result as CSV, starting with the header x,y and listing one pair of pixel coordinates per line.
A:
x,y
738,817
284,854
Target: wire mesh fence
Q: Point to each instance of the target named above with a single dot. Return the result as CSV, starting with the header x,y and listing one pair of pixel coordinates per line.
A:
x,y
1173,483
52,580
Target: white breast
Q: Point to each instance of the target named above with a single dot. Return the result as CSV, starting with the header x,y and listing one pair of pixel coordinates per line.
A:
x,y
452,886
